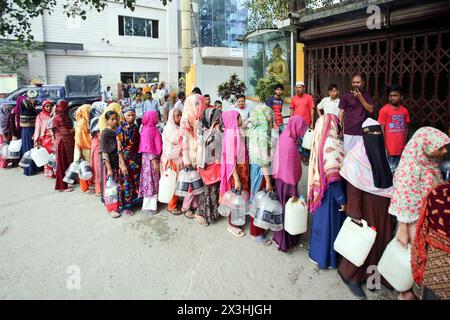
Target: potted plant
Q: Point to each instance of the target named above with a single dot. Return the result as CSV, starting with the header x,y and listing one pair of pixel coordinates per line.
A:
x,y
229,89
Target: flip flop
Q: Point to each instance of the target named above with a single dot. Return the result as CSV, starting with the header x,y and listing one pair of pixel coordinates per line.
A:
x,y
189,215
238,234
201,220
175,212
110,214
262,240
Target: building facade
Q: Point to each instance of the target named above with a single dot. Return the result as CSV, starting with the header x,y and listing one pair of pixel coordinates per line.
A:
x,y
121,45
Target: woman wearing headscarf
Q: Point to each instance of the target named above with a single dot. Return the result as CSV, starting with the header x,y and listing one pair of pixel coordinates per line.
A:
x,y
326,194
234,169
192,112
417,172
110,158
172,156
83,142
430,255
260,155
117,108
209,152
43,135
5,133
128,139
151,148
95,160
25,120
287,172
369,189
63,132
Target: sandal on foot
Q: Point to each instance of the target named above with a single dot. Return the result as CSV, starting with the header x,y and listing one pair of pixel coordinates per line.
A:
x,y
128,212
114,214
237,232
262,240
201,220
175,212
188,214
70,189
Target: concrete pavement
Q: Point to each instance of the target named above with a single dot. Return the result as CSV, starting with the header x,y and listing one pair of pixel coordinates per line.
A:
x,y
47,238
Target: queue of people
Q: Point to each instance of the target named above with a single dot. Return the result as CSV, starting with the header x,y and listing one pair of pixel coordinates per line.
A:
x,y
358,167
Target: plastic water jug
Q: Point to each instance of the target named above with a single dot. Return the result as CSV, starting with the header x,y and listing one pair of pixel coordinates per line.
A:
x,y
354,241
307,139
71,173
14,149
167,185
110,195
196,183
52,161
26,160
40,156
5,151
238,209
84,170
395,266
182,188
256,200
296,217
269,213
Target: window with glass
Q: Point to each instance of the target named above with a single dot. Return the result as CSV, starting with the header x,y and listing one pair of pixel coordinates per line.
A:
x,y
139,77
138,27
221,22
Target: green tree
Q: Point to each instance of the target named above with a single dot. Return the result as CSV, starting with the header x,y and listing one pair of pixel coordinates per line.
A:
x,y
13,55
229,89
264,13
265,88
16,15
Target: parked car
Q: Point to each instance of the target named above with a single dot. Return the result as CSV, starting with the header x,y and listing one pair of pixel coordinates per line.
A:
x,y
77,90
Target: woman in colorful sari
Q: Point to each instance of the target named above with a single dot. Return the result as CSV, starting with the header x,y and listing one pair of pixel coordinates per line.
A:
x,y
151,148
172,156
43,135
5,133
417,172
208,163
369,189
260,155
65,143
83,142
25,120
287,172
95,160
430,256
192,112
128,139
234,169
326,193
110,158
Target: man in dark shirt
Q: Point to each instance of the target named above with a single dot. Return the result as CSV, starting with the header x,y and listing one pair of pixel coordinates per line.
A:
x,y
276,103
355,107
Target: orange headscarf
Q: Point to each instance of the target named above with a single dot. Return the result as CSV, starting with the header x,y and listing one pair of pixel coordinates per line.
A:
x,y
82,133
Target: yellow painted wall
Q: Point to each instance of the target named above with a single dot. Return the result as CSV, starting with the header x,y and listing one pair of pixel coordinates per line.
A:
x,y
191,79
300,63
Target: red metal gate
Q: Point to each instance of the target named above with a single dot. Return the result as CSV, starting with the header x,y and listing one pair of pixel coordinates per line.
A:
x,y
420,63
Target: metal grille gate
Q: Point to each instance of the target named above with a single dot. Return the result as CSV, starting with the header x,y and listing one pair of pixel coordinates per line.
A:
x,y
420,63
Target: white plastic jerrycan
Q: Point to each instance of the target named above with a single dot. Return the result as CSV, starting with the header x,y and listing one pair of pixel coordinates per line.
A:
x,y
167,185
307,139
296,217
40,156
395,266
14,148
354,241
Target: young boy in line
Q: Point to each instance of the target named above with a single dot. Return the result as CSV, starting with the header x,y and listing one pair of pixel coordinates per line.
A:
x,y
276,103
394,119
218,105
330,104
